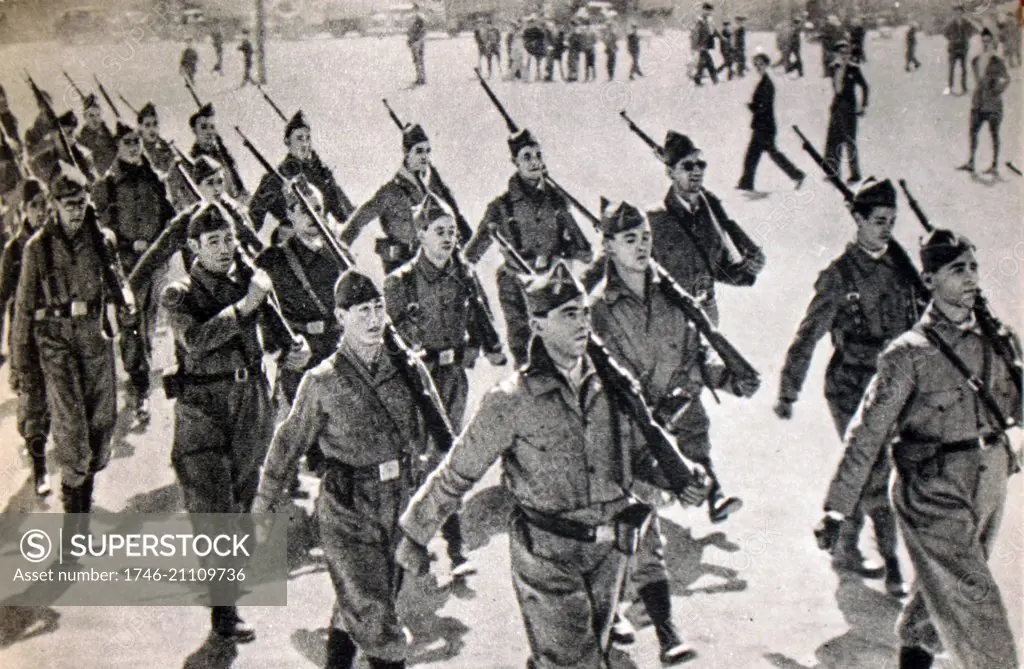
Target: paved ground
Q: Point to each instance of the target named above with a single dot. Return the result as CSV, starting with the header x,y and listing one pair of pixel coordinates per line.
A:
x,y
752,593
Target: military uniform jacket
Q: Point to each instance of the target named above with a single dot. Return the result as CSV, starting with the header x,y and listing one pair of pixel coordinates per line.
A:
x,y
100,141
269,196
845,97
536,221
359,416
689,247
233,180
162,159
864,304
919,394
434,306
958,34
314,320
132,202
653,339
633,43
10,263
56,270
992,83
564,453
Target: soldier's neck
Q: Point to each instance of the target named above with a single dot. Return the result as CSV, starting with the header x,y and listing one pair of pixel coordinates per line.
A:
x,y
957,314
367,353
635,280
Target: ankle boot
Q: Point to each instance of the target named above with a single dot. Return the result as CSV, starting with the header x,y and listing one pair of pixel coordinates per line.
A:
x,y
341,650
36,447
894,584
225,622
915,657
658,602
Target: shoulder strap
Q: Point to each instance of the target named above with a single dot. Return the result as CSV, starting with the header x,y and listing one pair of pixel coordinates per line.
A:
x,y
300,274
513,224
977,385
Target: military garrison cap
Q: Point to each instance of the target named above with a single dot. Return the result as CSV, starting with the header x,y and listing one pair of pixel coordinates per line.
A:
x,y
707,7
210,217
520,141
353,288
206,111
619,217
67,181
873,193
90,100
296,122
122,130
941,247
413,135
430,210
677,147
147,111
549,291
68,119
205,168
30,189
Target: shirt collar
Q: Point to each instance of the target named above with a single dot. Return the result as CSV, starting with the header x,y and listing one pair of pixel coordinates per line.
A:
x,y
543,375
874,255
429,270
616,289
935,318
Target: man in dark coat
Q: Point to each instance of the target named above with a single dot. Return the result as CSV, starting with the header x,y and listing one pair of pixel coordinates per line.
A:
x,y
763,125
705,42
739,48
633,47
247,53
96,136
843,114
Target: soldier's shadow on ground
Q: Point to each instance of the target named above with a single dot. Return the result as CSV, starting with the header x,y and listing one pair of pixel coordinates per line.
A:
x,y
869,643
215,653
26,615
684,558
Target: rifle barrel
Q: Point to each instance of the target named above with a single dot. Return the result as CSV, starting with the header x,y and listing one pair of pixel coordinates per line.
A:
x,y
394,116
916,207
272,104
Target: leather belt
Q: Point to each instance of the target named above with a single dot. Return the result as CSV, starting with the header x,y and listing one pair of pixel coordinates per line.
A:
x,y
568,529
239,375
444,357
73,309
981,443
383,472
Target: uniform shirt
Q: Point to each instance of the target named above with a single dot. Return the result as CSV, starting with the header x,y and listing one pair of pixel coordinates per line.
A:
x,y
655,341
359,416
269,196
541,227
691,248
885,306
56,270
132,202
392,205
100,141
919,394
563,453
233,181
993,78
445,315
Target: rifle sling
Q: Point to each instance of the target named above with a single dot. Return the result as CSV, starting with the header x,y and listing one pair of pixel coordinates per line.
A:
x,y
300,274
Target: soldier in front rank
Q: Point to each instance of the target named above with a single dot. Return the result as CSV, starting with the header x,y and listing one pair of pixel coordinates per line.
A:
x,y
28,383
865,299
948,389
364,413
434,301
223,420
642,328
96,136
161,156
131,201
303,160
698,244
209,143
535,220
59,323
393,203
570,456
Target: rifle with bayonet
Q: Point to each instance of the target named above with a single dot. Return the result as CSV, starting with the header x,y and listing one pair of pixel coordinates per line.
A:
x,y
81,95
106,96
272,104
432,404
127,104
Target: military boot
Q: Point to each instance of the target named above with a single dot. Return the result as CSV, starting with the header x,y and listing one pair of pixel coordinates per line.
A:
x,y
657,600
721,507
36,447
914,657
341,650
847,556
894,584
226,623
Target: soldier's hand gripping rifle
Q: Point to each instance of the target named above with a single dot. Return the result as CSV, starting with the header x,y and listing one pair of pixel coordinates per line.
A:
x,y
273,105
106,96
994,329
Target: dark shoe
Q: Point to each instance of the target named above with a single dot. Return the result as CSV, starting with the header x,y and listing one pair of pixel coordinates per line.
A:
x,y
377,663
894,584
967,167
623,632
226,623
36,448
799,181
720,509
341,650
744,188
677,654
914,657
853,180
855,564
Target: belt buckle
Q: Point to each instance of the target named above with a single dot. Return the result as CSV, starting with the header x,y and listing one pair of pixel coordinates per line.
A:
x,y
394,252
79,308
604,534
39,315
389,470
241,374
541,263
140,246
446,357
315,327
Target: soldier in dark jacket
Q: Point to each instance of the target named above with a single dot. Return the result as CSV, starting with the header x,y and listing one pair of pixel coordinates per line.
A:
x,y
633,47
570,458
161,156
96,136
301,159
416,39
864,299
698,244
247,53
725,38
223,419
209,143
131,201
393,203
28,382
842,121
536,221
958,33
858,35
362,410
762,140
59,323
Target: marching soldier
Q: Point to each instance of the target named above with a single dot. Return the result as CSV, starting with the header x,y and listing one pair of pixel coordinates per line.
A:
x,y
570,457
536,221
161,156
301,159
842,121
949,388
435,301
96,136
958,33
45,149
865,299
209,143
704,38
698,244
28,383
636,319
59,323
393,203
223,419
362,410
131,201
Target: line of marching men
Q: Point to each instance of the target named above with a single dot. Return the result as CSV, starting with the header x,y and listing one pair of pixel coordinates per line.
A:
x,y
602,413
